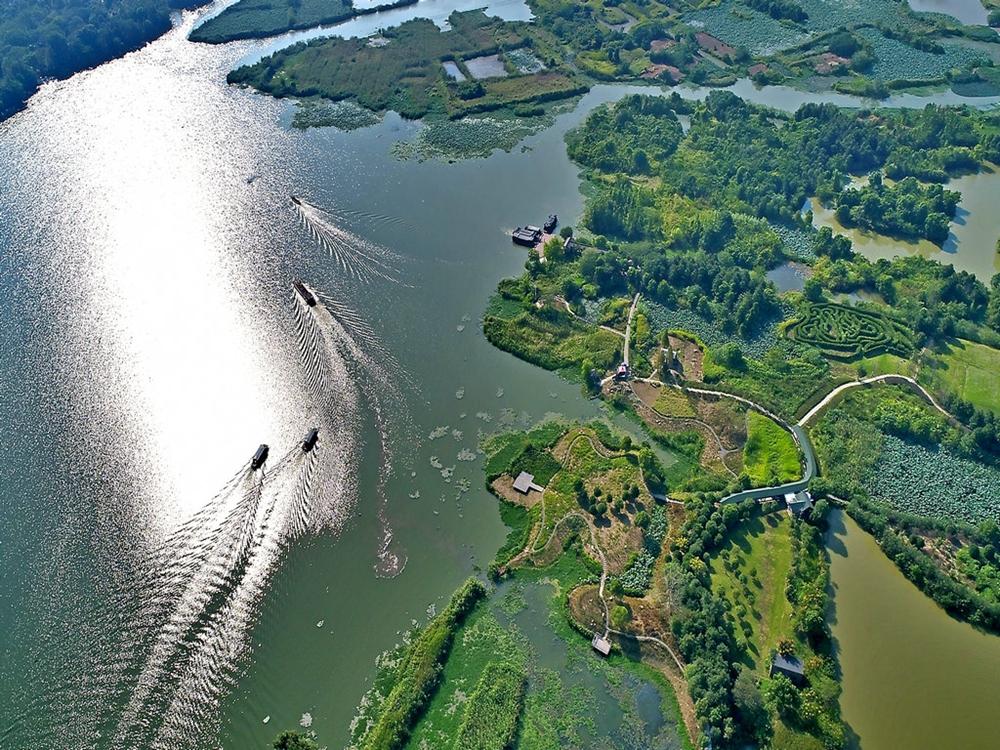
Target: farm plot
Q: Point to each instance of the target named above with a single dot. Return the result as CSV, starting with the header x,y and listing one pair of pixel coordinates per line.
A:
x,y
969,370
936,483
847,332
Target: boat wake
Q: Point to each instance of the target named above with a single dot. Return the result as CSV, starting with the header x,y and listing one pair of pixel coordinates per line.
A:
x,y
193,628
333,336
358,257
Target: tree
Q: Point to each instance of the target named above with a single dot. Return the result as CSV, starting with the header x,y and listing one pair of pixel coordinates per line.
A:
x,y
812,290
288,740
780,694
620,616
642,519
730,356
566,232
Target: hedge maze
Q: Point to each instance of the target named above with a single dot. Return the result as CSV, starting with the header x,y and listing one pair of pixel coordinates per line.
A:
x,y
847,332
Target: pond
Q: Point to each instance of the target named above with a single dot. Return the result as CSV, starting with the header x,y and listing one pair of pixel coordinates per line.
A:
x,y
790,276
912,676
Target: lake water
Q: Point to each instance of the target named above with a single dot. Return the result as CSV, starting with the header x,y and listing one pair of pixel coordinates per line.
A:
x,y
971,244
912,676
150,340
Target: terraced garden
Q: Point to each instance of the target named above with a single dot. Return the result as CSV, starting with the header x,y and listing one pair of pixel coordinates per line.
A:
x,y
848,332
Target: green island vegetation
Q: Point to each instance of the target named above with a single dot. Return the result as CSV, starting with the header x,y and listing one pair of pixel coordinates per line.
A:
x,y
906,209
403,69
253,19
56,39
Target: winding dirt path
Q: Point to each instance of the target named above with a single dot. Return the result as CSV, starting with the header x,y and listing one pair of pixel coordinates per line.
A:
x,y
892,379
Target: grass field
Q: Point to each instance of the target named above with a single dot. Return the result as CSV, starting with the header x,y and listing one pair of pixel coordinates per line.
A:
x,y
750,572
770,455
970,371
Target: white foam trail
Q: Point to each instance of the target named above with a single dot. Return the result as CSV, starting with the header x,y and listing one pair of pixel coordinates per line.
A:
x,y
358,257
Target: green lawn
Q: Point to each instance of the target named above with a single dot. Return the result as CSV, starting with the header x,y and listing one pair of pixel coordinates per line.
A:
x,y
754,581
971,371
770,455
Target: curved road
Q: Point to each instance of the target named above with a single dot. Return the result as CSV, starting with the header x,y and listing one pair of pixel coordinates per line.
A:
x,y
799,430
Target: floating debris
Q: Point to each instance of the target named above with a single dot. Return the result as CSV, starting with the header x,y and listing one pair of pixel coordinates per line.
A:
x,y
436,462
460,328
415,495
457,434
460,393
499,392
466,455
321,623
306,720
438,432
484,415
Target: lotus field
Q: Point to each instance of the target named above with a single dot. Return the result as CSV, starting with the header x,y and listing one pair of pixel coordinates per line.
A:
x,y
847,332
936,483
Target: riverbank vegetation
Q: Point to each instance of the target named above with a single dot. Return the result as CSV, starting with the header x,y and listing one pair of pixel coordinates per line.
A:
x,y
408,679
56,39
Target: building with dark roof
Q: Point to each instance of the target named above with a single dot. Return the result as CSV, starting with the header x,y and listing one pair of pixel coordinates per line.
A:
x,y
790,666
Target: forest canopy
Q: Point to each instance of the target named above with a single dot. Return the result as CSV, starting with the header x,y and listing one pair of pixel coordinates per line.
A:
x,y
57,38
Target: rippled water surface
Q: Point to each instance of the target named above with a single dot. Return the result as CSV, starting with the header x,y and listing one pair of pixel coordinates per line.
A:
x,y
155,592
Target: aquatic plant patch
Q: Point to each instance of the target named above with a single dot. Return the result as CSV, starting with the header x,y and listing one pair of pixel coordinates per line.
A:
x,y
756,346
895,60
341,115
524,60
469,138
849,332
635,579
934,482
741,26
494,707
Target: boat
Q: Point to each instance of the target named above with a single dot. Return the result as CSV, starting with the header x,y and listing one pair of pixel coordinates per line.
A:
x,y
527,236
550,223
303,291
309,441
259,457
296,200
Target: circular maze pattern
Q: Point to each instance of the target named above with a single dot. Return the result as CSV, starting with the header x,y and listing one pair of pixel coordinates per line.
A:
x,y
848,332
